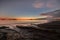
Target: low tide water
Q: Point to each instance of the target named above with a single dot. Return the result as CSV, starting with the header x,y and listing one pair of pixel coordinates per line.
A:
x,y
2,22
13,23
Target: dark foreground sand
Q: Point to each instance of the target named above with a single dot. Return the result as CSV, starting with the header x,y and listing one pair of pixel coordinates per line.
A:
x,y
48,31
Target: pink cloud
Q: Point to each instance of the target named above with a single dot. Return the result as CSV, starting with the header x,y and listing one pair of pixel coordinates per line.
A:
x,y
38,4
46,4
51,3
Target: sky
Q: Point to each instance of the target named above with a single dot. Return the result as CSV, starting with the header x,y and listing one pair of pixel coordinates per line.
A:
x,y
27,8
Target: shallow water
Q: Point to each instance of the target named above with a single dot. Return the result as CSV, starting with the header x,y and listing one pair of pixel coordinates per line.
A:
x,y
21,21
12,23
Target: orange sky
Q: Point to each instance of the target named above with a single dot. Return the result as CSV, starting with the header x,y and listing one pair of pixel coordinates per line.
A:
x,y
22,18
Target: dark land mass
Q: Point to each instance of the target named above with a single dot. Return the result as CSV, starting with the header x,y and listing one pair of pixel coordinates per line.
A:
x,y
47,31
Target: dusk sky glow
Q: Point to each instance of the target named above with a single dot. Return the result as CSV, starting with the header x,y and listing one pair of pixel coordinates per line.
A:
x,y
27,8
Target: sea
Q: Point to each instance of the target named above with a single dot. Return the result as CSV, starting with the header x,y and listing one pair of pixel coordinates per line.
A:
x,y
13,23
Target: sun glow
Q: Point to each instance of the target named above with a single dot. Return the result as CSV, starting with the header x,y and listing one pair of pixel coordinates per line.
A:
x,y
29,18
25,18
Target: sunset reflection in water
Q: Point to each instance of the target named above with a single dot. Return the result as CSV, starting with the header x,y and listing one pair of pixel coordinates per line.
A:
x,y
21,21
